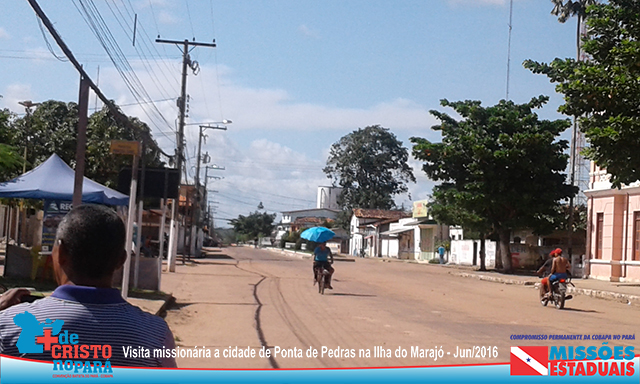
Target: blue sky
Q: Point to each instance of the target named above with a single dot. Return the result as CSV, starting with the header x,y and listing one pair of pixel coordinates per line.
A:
x,y
293,76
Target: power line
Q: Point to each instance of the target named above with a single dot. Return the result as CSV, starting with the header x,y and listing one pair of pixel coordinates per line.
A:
x,y
153,15
101,31
190,22
44,36
63,46
144,60
150,101
151,47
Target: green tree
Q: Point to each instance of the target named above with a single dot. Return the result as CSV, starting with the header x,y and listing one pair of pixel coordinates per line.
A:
x,y
52,128
370,165
10,159
605,89
503,165
454,207
565,9
257,224
101,165
10,162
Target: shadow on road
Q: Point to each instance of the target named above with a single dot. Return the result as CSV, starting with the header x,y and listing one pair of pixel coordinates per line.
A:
x,y
210,262
580,310
179,305
217,256
348,294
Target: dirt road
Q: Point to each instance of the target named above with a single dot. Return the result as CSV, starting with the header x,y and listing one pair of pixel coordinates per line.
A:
x,y
243,299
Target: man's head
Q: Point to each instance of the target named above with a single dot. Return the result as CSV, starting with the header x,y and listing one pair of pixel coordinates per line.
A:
x,y
89,246
556,252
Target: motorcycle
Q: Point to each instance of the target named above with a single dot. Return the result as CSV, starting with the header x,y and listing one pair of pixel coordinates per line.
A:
x,y
558,294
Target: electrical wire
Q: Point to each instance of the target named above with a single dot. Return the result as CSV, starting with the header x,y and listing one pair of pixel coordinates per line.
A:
x,y
94,19
46,40
143,57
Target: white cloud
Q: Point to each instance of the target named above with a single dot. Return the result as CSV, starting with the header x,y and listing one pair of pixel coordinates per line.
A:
x,y
41,54
268,172
4,34
253,108
308,32
165,17
283,178
14,93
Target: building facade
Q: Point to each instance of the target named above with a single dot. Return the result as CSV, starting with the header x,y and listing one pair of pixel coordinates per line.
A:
x,y
613,229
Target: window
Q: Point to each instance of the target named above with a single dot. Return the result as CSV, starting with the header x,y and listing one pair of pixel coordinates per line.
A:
x,y
599,235
636,236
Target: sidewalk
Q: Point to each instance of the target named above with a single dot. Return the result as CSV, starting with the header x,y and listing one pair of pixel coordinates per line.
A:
x,y
628,293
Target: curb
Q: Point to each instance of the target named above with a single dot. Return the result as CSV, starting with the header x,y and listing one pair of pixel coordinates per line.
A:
x,y
494,279
606,295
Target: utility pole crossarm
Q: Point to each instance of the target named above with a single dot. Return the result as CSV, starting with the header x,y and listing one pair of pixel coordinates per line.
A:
x,y
187,42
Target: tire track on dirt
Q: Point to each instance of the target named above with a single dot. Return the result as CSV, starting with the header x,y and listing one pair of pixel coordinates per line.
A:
x,y
261,336
296,326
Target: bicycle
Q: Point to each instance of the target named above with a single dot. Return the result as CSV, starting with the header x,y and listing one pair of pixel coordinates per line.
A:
x,y
321,275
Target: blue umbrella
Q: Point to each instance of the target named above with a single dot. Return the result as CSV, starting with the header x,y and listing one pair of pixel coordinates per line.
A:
x,y
317,234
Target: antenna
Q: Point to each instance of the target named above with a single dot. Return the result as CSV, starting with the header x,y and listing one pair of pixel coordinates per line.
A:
x,y
509,47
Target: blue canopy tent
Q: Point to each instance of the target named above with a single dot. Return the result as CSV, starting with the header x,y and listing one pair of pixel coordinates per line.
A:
x,y
53,180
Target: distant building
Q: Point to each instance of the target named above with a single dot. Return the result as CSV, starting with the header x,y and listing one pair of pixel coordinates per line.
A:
x,y
418,236
304,218
326,210
328,197
365,230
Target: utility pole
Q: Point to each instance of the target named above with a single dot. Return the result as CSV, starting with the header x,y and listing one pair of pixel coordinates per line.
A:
x,y
186,62
81,147
197,212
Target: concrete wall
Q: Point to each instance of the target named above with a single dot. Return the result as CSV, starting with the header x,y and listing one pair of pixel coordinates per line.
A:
x,y
147,274
462,252
389,248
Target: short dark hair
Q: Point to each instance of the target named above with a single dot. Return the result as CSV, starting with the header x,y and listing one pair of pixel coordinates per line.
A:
x,y
94,238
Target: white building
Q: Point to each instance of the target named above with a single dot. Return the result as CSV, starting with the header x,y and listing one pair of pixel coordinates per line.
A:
x,y
365,230
304,218
328,197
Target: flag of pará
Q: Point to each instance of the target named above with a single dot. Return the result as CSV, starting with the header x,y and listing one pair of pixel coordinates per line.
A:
x,y
529,361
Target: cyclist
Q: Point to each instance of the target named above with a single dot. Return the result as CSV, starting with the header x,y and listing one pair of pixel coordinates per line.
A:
x,y
323,258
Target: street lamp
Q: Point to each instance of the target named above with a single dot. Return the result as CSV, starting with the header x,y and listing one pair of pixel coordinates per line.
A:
x,y
27,104
225,121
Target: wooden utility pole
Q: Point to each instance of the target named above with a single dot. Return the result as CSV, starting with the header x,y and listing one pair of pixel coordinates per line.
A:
x,y
186,62
81,146
182,104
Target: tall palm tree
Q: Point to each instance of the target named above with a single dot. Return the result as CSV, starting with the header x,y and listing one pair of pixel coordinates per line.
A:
x,y
565,9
